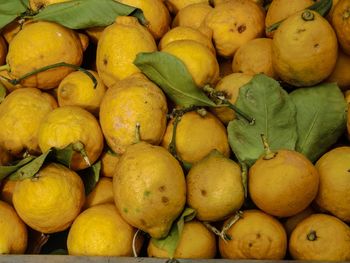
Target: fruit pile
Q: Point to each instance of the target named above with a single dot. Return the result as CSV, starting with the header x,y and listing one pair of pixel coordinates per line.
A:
x,y
175,128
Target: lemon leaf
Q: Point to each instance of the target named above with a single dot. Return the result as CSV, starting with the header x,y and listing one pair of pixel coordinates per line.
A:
x,y
91,176
65,155
172,76
7,170
80,14
321,118
30,169
171,242
10,10
275,117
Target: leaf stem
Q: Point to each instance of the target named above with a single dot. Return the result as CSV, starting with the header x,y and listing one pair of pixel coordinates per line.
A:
x,y
60,64
80,148
230,223
268,153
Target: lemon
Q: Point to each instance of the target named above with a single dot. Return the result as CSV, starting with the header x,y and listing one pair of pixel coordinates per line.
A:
x,y
40,44
196,136
13,238
7,188
201,63
72,124
192,15
50,201
77,89
213,195
101,194
118,46
135,100
21,114
149,188
196,242
176,5
109,163
100,231
341,71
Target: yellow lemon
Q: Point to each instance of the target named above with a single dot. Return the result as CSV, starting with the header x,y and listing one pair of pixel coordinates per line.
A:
x,y
341,71
334,170
149,188
185,33
320,237
118,47
109,163
41,44
201,63
131,102
100,231
196,242
230,86
234,23
215,196
176,5
192,15
21,114
77,89
71,124
196,136
13,238
50,201
255,236
254,57
156,14
7,188
101,194
304,49
341,24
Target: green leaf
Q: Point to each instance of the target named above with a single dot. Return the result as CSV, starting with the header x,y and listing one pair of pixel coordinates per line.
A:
x,y
10,10
275,117
64,156
321,118
91,176
171,74
171,242
30,169
80,14
7,170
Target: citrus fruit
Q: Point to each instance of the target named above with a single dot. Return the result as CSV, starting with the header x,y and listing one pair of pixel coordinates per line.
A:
x,y
101,194
109,163
192,15
341,71
175,5
341,24
7,188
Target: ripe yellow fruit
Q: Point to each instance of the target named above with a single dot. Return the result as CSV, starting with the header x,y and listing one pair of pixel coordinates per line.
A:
x,y
192,15
50,201
77,89
341,71
197,136
283,185
156,14
109,163
333,194
254,57
8,86
196,242
230,85
341,24
214,187
100,231
118,47
135,100
185,33
293,221
13,238
149,188
40,44
175,5
21,114
71,124
36,5
7,188
255,236
281,9
304,49
199,60
234,23
320,237
101,194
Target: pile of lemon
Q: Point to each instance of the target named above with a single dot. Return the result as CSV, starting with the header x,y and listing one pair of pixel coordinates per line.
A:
x,y
299,210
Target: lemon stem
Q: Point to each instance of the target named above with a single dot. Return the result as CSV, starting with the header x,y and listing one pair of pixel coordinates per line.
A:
x,y
307,15
312,236
134,251
137,132
57,65
80,148
268,153
230,223
219,99
5,67
39,243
